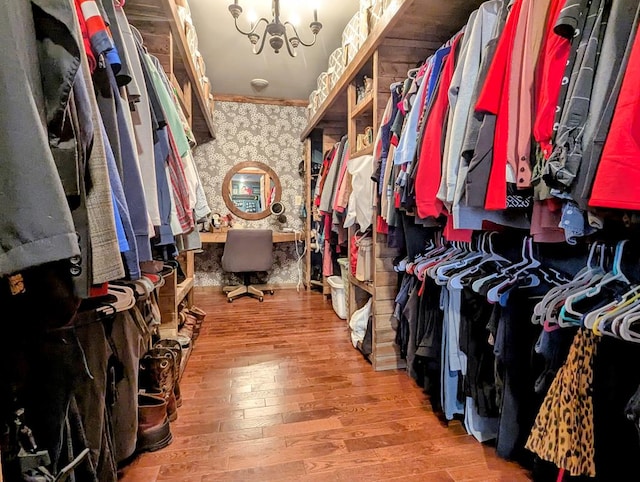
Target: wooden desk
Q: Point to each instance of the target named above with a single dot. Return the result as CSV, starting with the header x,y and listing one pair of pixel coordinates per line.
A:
x,y
278,237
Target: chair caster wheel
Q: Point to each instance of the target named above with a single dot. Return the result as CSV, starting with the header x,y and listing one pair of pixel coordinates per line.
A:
x,y
271,292
230,300
261,299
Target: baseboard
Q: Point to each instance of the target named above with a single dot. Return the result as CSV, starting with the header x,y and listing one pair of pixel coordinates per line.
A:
x,y
269,286
274,286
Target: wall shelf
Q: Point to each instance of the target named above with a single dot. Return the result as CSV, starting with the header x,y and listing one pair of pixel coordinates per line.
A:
x,y
367,151
183,289
366,286
405,35
186,353
164,36
391,16
364,106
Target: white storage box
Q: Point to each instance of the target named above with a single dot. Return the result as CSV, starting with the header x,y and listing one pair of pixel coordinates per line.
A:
x,y
323,86
337,63
337,296
351,38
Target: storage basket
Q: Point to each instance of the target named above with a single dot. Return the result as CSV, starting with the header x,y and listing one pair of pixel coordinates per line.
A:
x,y
351,38
323,85
337,296
337,63
192,38
313,99
200,65
184,13
206,86
375,13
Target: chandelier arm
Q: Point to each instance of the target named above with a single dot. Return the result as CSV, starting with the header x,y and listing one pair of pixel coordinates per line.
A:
x,y
298,35
264,39
254,27
291,51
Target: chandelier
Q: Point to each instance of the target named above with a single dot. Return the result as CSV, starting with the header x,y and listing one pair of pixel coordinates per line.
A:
x,y
276,30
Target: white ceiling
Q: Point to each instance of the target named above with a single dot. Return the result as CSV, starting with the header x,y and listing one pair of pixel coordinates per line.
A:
x,y
228,55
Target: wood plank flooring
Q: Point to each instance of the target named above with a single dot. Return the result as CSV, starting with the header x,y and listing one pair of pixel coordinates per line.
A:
x,y
275,391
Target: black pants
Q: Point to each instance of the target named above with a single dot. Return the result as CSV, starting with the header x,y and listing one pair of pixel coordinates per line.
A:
x,y
56,372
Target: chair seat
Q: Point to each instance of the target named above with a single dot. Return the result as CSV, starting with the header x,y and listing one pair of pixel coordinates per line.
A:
x,y
247,251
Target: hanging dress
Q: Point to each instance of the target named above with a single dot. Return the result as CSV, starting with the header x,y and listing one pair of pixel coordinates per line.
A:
x,y
563,432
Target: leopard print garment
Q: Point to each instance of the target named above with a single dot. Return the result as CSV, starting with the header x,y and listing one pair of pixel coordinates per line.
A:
x,y
563,430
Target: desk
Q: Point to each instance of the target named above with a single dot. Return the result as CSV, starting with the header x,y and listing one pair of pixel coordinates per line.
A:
x,y
278,237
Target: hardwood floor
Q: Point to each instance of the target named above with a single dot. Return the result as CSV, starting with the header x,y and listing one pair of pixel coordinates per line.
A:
x,y
275,391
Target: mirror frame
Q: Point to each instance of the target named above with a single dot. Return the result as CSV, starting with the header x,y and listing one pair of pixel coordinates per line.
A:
x,y
226,194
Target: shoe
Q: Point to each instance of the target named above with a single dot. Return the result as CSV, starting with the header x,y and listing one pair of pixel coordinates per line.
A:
x,y
189,328
176,347
154,431
184,340
197,312
157,375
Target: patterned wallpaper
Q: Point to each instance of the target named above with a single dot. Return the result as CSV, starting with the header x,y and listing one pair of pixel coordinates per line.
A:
x,y
253,132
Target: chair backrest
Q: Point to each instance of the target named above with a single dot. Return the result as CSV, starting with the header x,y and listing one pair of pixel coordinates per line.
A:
x,y
248,250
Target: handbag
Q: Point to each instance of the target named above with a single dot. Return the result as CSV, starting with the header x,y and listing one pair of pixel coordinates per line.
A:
x,y
364,259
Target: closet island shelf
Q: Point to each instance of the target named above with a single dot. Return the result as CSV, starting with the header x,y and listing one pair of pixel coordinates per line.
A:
x,y
164,36
403,37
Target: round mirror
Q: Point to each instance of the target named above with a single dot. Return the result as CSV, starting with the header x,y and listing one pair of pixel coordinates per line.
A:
x,y
249,189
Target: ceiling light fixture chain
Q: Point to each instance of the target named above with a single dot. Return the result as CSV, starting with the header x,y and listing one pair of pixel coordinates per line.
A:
x,y
277,31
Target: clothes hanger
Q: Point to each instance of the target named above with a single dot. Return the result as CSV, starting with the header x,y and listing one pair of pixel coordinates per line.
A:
x,y
433,258
551,304
530,263
491,257
125,297
629,330
587,277
619,318
479,283
578,304
448,269
455,252
600,322
616,306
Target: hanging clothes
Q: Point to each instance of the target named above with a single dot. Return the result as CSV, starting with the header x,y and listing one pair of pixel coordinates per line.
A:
x,y
617,177
567,411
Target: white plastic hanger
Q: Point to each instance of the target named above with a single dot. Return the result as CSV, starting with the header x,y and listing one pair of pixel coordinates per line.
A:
x,y
495,293
615,274
589,275
477,284
455,282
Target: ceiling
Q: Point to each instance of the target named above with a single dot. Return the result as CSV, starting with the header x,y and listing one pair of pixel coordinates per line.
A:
x,y
228,55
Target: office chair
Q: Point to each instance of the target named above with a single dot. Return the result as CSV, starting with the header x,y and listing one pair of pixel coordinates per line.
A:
x,y
247,251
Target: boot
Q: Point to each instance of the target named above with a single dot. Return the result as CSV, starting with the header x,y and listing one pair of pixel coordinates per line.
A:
x,y
154,431
199,315
174,345
188,328
157,369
